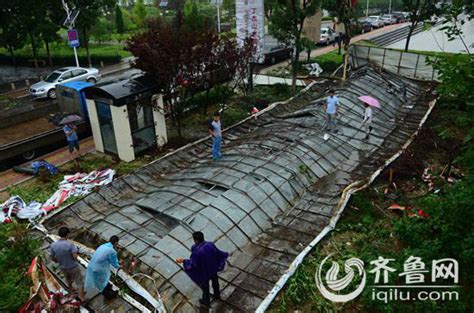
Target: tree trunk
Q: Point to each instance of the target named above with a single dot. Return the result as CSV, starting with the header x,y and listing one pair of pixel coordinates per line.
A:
x,y
86,45
410,32
206,105
33,46
295,67
250,81
50,60
413,23
12,55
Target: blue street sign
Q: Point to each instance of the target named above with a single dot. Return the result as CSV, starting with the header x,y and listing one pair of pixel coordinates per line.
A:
x,y
73,38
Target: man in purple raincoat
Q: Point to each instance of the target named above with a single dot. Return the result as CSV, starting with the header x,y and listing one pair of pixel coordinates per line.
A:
x,y
205,262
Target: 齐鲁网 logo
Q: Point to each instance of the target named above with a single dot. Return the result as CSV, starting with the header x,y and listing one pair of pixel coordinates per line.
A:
x,y
353,268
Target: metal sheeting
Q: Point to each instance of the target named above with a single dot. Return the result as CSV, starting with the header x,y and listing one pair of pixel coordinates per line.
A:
x,y
412,65
274,190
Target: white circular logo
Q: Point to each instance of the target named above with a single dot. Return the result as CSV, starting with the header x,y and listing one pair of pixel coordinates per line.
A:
x,y
335,284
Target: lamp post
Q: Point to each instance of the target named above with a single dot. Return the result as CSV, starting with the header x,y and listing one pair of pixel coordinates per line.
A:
x,y
218,4
70,19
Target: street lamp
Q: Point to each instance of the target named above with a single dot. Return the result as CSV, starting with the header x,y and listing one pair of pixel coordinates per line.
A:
x,y
218,4
70,19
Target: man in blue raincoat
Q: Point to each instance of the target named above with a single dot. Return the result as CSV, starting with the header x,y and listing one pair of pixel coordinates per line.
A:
x,y
98,271
205,262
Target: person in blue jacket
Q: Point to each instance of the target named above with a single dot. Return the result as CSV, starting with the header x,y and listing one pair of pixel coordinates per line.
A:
x,y
98,271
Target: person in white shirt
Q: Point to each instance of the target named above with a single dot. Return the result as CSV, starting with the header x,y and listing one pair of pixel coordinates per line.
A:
x,y
367,120
332,107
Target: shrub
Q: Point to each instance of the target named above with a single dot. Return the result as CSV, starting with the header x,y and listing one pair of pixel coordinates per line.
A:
x,y
62,59
17,250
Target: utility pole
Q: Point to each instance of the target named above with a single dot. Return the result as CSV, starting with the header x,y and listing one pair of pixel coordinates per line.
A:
x,y
69,21
218,4
218,19
390,7
367,10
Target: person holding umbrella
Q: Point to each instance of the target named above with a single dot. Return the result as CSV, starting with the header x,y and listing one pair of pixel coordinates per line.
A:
x,y
71,134
369,102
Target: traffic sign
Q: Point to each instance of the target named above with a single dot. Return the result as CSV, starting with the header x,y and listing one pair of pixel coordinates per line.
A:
x,y
73,38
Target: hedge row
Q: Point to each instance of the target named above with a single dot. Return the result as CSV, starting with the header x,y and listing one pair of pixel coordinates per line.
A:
x,y
59,60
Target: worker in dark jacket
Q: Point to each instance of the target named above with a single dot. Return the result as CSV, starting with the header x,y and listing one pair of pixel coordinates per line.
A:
x,y
205,262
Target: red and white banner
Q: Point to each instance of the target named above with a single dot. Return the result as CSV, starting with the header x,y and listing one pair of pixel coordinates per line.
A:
x,y
250,20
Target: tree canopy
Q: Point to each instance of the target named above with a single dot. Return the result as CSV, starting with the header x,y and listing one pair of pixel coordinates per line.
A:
x,y
286,25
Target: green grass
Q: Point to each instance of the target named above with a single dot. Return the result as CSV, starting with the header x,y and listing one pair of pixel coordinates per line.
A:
x,y
332,56
366,42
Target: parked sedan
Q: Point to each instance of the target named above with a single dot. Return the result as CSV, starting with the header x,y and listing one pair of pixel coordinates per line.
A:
x,y
47,88
365,26
400,17
376,21
327,36
389,19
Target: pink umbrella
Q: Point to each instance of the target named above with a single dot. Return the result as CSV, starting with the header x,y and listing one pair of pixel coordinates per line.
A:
x,y
370,101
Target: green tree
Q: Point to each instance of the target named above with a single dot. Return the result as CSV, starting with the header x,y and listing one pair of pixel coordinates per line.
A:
x,y
28,16
139,12
119,24
456,15
101,30
49,27
345,14
90,11
193,19
12,32
308,45
420,10
286,25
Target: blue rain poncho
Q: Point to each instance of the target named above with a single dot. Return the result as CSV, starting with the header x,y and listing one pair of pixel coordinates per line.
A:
x,y
98,271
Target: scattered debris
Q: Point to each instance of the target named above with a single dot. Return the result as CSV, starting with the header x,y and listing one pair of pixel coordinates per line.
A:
x,y
388,191
314,69
36,167
47,295
80,184
412,212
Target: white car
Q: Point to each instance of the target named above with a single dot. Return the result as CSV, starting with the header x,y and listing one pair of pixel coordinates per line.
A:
x,y
327,35
389,19
376,21
47,88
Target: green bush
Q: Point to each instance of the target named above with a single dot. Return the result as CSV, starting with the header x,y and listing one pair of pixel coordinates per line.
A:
x,y
61,60
17,249
61,54
234,114
217,95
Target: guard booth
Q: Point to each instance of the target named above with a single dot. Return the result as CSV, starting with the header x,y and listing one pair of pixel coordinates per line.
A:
x,y
127,117
71,99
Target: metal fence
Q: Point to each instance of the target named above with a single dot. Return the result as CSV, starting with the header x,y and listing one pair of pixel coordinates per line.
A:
x,y
408,64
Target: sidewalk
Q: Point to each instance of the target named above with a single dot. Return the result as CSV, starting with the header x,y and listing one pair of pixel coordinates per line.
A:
x,y
59,157
320,51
